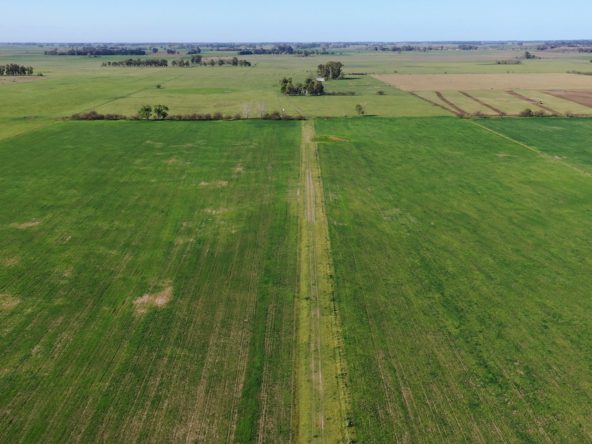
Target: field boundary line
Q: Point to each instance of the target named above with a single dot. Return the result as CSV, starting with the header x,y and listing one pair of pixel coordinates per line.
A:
x,y
533,149
322,402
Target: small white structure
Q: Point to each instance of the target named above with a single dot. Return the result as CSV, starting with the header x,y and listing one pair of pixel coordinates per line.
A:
x,y
320,79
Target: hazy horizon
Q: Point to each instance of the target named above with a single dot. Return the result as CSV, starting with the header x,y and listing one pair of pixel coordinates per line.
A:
x,y
308,21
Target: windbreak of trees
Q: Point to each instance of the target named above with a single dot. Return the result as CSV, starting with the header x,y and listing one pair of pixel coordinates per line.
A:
x,y
234,61
331,70
283,49
408,48
181,63
12,69
152,63
96,51
310,87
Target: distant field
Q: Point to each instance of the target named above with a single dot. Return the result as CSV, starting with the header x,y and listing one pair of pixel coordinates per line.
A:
x,y
461,269
147,280
469,82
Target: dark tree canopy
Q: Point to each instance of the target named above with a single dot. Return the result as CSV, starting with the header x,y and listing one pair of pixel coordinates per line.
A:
x,y
12,69
331,70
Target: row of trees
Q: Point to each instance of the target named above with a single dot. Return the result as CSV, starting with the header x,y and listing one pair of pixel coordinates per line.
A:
x,y
158,63
331,70
310,87
163,63
12,69
234,61
96,51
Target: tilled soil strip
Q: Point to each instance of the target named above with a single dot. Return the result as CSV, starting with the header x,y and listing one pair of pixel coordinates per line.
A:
x,y
481,102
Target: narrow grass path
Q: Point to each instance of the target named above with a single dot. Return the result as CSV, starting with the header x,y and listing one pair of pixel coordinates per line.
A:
x,y
322,403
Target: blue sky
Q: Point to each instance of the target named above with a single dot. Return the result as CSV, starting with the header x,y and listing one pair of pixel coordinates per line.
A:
x,y
304,20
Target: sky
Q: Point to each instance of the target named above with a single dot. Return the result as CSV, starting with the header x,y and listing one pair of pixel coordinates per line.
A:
x,y
302,21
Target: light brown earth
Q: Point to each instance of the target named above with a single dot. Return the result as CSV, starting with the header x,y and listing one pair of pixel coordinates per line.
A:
x,y
581,97
8,301
474,82
147,301
25,225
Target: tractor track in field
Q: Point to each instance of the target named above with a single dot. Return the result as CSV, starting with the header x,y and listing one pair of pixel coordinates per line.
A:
x,y
481,102
531,101
432,102
458,110
322,403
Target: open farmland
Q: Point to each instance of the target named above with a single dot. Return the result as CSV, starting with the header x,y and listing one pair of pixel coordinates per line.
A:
x,y
461,268
379,272
469,82
147,280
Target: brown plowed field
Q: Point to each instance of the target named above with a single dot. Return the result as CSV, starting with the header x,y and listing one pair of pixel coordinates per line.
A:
x,y
581,97
472,82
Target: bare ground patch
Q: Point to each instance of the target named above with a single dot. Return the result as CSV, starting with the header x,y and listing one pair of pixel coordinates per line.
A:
x,y
153,300
214,184
8,301
10,261
475,82
25,225
580,97
215,211
239,169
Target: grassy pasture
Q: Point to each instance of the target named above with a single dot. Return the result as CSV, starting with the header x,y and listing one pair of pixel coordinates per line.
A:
x,y
147,280
461,269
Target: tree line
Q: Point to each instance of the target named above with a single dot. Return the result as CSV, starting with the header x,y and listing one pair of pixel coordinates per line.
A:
x,y
12,69
158,63
161,112
96,51
163,63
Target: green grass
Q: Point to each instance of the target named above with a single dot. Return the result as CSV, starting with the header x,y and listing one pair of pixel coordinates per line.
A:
x,y
96,215
567,140
462,276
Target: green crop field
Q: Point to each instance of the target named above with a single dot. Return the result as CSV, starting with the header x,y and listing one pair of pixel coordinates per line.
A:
x,y
461,268
147,280
380,272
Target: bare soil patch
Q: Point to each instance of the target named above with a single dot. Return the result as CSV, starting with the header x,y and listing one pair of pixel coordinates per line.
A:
x,y
25,225
8,301
9,261
214,211
153,300
239,169
475,82
580,97
215,184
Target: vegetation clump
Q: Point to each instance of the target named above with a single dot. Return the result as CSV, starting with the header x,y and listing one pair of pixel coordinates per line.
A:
x,y
331,70
311,87
12,69
151,63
